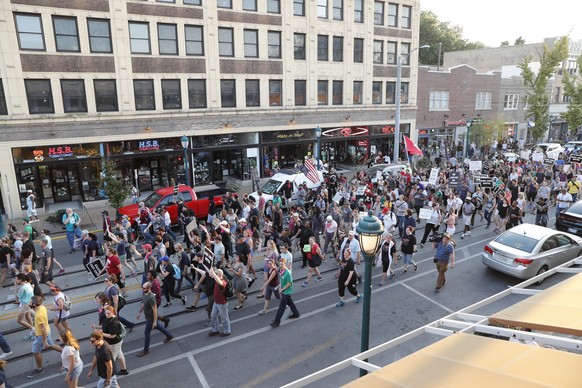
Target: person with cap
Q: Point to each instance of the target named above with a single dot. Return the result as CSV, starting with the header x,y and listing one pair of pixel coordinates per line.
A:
x,y
330,234
42,335
467,211
347,279
166,270
150,310
31,206
389,220
59,307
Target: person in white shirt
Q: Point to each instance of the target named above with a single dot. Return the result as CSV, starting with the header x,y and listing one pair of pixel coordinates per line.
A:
x,y
330,234
389,220
168,223
563,200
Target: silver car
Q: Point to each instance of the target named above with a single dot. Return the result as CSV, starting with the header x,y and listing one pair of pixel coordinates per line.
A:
x,y
527,250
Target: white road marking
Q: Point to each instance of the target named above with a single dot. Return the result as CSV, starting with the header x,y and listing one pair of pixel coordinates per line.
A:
x,y
198,371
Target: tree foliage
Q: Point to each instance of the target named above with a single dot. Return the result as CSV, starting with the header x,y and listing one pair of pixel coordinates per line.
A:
x,y
115,188
536,82
505,43
519,41
433,31
482,134
573,89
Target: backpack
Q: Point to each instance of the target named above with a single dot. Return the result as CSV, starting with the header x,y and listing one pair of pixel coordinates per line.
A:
x,y
66,303
122,331
34,233
120,302
99,249
177,272
228,289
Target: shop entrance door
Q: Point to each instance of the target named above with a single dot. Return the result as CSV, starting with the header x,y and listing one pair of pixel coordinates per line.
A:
x,y
60,180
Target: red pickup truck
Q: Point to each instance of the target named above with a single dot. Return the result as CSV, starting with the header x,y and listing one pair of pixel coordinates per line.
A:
x,y
166,196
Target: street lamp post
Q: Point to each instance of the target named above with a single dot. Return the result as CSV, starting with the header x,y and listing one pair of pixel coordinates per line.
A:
x,y
466,145
369,231
318,151
185,142
399,63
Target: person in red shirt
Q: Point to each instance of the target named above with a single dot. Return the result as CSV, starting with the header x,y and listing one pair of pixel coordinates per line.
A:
x,y
220,306
113,267
152,277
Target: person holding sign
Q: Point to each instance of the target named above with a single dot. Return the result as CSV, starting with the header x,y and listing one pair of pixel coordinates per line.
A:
x,y
431,225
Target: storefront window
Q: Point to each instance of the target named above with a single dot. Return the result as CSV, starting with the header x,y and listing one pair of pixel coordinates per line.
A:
x,y
57,152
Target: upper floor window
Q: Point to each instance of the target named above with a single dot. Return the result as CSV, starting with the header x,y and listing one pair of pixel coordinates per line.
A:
x,y
167,39
483,100
275,92
145,98
322,98
225,42
299,7
337,93
511,101
404,51
274,43
377,92
359,11
338,49
39,95
251,41
66,34
299,46
322,9
252,91
377,53
29,30
197,93
139,36
392,15
404,93
228,93
358,50
224,3
249,5
171,94
406,16
358,90
194,40
274,6
390,92
99,35
322,48
439,100
391,53
338,9
105,95
300,92
193,2
3,107
74,99
378,13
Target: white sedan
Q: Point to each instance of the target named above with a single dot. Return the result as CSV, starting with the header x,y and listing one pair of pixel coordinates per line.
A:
x,y
511,157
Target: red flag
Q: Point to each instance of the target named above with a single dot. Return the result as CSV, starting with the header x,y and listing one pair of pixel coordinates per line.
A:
x,y
411,147
310,171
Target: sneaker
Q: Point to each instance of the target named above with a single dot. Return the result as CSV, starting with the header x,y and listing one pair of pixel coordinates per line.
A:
x,y
35,372
275,324
251,283
437,289
318,279
29,337
130,327
391,275
463,235
421,245
184,299
191,308
293,316
62,271
341,303
143,353
358,298
168,339
403,271
224,334
3,356
213,333
415,267
123,372
168,305
305,284
380,284
262,312
91,279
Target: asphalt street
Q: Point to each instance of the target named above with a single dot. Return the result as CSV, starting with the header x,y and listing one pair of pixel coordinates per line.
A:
x,y
256,355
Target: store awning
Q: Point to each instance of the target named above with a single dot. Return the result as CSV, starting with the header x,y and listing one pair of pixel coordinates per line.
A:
x,y
466,360
557,309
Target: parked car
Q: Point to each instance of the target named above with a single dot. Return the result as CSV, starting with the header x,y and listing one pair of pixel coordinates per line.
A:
x,y
551,150
385,169
276,182
570,220
511,157
527,250
574,144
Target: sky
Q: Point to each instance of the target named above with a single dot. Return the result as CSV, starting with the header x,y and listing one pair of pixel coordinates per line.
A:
x,y
495,21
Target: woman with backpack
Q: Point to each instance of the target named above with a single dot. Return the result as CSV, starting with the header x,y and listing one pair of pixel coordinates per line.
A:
x,y
168,273
113,333
271,285
61,307
117,301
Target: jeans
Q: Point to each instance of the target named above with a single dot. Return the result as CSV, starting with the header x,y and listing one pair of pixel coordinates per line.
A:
x,y
400,225
285,301
171,232
487,215
125,321
148,237
328,241
4,345
148,330
71,236
221,309
112,382
187,277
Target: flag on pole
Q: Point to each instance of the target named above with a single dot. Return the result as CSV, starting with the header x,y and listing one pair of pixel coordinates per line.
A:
x,y
310,171
411,147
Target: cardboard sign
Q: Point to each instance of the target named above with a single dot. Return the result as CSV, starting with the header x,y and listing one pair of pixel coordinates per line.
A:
x,y
208,257
575,158
497,190
337,197
549,161
191,226
424,214
485,167
361,190
537,157
434,174
486,181
524,155
95,267
475,165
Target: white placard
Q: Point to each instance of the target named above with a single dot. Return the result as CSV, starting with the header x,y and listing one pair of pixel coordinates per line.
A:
x,y
424,214
475,165
467,161
337,197
524,155
566,167
379,175
424,183
434,174
191,226
361,190
537,157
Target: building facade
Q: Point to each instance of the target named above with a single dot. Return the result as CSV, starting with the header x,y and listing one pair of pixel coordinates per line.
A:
x,y
247,82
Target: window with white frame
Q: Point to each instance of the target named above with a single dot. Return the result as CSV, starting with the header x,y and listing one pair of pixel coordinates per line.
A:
x,y
139,38
511,101
225,42
322,9
439,100
251,40
378,13
392,15
29,30
338,9
194,40
483,100
168,39
406,16
359,11
377,53
274,44
404,51
391,53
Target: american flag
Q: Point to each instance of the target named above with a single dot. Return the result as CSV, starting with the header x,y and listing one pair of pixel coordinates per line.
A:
x,y
310,171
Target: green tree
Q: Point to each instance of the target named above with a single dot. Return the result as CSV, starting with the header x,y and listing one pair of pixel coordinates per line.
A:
x,y
433,31
573,89
505,43
537,95
115,188
519,41
482,134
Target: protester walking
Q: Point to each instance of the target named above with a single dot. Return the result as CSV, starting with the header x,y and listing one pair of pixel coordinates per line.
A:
x,y
150,310
286,283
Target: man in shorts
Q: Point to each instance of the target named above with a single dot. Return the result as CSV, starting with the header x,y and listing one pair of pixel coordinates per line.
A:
x,y
103,360
42,335
31,206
